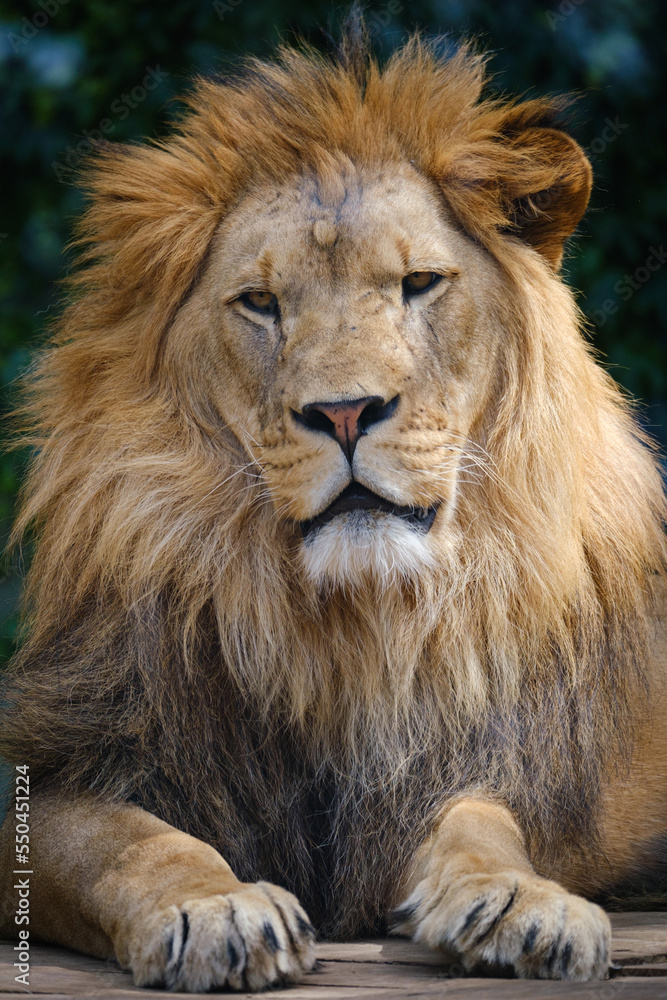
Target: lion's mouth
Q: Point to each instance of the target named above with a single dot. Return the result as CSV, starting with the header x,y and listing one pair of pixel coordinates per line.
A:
x,y
357,497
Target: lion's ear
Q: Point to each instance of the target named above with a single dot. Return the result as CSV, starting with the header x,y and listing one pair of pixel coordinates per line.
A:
x,y
547,198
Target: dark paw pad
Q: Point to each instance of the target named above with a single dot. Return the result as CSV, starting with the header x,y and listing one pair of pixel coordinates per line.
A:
x,y
402,914
530,939
552,954
472,916
233,957
270,937
305,927
565,958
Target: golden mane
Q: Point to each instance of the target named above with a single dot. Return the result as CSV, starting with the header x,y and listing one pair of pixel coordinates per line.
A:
x,y
164,598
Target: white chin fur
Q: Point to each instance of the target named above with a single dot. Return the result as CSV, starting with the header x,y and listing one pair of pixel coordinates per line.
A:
x,y
363,545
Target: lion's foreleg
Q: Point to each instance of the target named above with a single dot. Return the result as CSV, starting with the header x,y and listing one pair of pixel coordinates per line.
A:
x,y
113,880
474,893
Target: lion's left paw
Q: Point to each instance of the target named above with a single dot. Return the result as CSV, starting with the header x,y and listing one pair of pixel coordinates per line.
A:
x,y
509,919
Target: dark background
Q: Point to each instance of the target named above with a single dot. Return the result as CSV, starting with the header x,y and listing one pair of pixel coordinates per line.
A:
x,y
75,66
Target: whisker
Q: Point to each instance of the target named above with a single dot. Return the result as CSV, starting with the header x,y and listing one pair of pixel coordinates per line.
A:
x,y
228,479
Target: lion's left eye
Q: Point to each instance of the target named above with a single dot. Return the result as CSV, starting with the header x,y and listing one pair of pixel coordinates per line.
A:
x,y
419,281
264,302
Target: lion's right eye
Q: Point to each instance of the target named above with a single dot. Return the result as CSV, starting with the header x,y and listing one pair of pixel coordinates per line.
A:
x,y
263,302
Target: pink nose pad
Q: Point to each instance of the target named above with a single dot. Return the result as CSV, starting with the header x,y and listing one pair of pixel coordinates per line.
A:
x,y
346,420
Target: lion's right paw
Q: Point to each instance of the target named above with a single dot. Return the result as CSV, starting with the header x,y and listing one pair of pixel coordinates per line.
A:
x,y
256,937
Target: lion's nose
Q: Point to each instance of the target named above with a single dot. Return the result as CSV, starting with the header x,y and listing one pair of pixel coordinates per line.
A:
x,y
346,420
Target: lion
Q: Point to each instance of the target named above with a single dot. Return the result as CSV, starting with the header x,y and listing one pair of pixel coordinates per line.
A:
x,y
344,611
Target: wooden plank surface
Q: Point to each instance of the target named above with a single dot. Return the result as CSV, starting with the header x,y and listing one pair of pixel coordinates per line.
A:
x,y
382,968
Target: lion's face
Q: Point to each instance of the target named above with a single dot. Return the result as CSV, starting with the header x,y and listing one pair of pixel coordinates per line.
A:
x,y
347,337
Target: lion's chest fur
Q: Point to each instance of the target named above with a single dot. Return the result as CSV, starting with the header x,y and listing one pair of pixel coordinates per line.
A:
x,y
339,825
333,802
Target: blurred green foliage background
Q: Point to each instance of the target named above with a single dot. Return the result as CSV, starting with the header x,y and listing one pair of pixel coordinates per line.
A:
x,y
71,67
